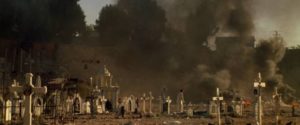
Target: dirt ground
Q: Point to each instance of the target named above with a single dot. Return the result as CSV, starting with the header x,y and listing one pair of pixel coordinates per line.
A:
x,y
164,120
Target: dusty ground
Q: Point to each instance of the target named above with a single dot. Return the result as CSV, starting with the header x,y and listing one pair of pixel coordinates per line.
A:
x,y
163,120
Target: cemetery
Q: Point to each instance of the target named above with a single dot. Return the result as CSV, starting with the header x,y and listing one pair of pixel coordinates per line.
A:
x,y
32,103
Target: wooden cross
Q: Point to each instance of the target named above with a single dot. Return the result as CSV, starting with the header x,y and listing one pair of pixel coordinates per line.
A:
x,y
28,89
150,102
259,84
218,98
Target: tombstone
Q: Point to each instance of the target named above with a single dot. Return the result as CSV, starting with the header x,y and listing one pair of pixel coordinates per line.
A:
x,y
180,101
2,109
238,108
16,102
129,105
50,104
168,101
87,107
150,102
160,100
134,104
28,89
137,103
190,111
143,99
212,109
38,100
69,103
99,106
77,108
8,110
103,101
164,98
38,106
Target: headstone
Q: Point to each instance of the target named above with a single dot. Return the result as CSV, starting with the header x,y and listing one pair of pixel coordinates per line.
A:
x,y
150,102
77,104
28,89
8,110
103,102
190,111
133,104
38,101
160,100
238,108
87,107
212,108
180,101
2,109
143,99
169,101
69,103
164,99
38,106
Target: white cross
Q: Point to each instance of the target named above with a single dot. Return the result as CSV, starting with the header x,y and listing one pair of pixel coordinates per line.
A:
x,y
28,89
259,85
218,98
150,102
169,101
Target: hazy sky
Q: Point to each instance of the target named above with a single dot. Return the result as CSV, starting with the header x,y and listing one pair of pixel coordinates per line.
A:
x,y
92,8
269,16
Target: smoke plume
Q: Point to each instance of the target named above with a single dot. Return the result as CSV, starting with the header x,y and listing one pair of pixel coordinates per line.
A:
x,y
150,44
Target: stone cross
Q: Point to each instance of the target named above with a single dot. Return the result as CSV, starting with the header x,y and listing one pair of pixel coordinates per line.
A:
x,y
150,102
143,99
28,89
169,101
259,84
218,98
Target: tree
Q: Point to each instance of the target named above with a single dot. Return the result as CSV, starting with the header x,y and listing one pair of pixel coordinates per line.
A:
x,y
40,20
134,28
6,18
67,18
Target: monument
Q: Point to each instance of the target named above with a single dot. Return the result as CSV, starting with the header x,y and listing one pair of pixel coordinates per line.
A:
x,y
28,89
111,92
